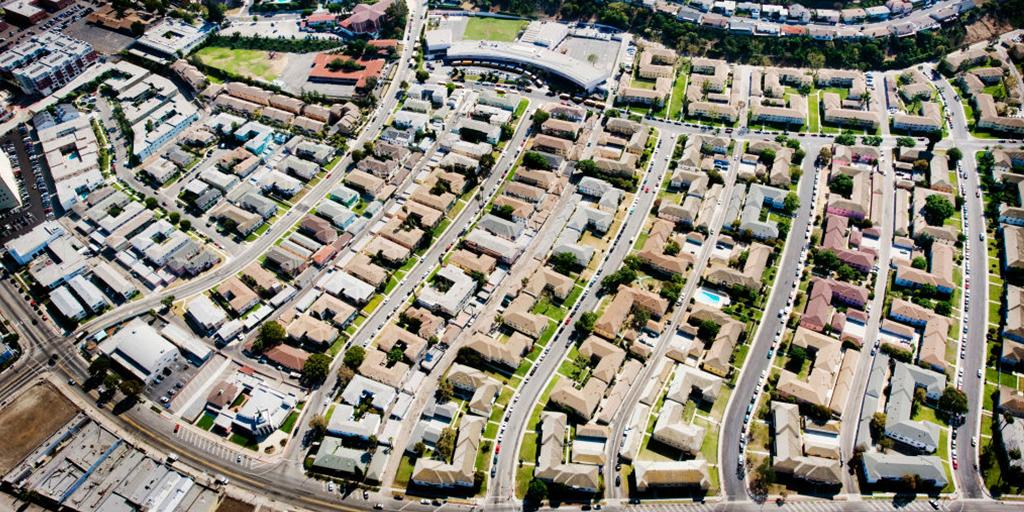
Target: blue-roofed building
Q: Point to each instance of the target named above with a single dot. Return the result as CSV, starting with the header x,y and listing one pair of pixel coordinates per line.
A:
x,y
345,195
256,136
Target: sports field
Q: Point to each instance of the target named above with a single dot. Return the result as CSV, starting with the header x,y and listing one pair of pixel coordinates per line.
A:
x,y
249,63
493,29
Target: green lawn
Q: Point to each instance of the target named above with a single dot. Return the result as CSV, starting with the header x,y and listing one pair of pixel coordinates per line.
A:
x,y
678,93
206,422
493,29
289,422
250,63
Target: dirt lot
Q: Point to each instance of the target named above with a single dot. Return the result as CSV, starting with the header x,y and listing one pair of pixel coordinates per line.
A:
x,y
985,28
30,420
233,505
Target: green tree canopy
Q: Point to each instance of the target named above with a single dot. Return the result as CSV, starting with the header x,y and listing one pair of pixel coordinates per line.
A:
x,y
354,356
937,209
315,370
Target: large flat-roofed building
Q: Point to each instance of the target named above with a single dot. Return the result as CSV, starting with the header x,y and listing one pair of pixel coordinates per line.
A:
x,y
527,55
23,12
140,349
9,196
172,37
46,62
27,246
72,153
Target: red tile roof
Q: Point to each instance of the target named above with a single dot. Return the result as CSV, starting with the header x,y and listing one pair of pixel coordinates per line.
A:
x,y
320,71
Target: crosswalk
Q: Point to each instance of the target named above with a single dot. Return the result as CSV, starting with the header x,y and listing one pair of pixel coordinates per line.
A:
x,y
218,449
790,506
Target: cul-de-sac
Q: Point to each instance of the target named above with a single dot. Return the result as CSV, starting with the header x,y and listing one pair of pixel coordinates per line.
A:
x,y
511,255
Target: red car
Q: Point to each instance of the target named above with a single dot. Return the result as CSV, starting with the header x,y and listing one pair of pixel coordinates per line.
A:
x,y
955,465
177,427
497,449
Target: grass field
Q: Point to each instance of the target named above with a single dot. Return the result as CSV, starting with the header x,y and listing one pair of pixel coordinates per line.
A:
x,y
250,63
493,29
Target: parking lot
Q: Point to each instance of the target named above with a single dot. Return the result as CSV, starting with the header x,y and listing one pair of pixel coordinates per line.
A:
x,y
32,184
56,22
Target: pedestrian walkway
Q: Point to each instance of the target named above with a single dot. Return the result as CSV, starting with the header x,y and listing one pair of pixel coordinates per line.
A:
x,y
218,449
792,506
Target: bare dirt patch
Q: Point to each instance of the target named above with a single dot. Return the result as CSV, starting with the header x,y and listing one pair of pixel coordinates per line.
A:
x,y
30,420
985,28
233,505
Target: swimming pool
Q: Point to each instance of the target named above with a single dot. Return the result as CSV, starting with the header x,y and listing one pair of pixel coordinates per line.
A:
x,y
712,298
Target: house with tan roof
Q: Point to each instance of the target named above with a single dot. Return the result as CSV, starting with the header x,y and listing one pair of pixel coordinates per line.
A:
x,y
505,353
819,384
362,267
332,309
793,456
721,273
613,319
684,473
582,402
377,367
655,249
718,357
461,470
1013,324
239,297
471,262
518,316
413,347
306,329
551,465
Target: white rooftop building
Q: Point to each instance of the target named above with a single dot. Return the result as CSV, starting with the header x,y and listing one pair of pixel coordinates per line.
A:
x,y
140,349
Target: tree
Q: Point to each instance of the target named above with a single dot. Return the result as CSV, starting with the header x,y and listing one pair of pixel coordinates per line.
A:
x,y
535,160
318,424
537,491
671,248
937,209
564,262
446,444
151,203
846,139
316,367
791,203
138,28
953,401
444,391
539,117
585,323
422,75
825,155
878,425
954,155
395,17
185,225
919,263
345,375
842,185
419,449
354,356
619,277
99,366
707,329
214,11
487,161
111,381
271,334
173,217
943,308
131,388
507,131
906,142
395,355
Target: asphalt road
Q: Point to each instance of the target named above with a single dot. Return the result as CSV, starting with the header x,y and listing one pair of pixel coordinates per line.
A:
x,y
633,395
787,278
502,490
